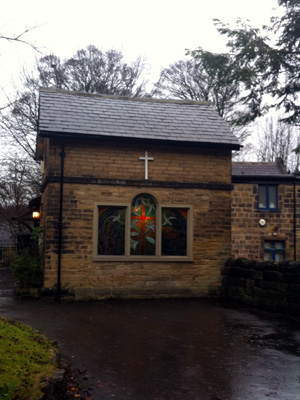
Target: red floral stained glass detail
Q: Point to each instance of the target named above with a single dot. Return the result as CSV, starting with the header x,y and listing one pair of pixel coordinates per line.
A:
x,y
143,225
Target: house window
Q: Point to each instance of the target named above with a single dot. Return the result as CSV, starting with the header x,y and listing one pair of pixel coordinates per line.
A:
x,y
142,230
267,197
274,250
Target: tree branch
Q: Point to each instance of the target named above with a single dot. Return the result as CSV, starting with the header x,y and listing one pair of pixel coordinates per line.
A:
x,y
19,38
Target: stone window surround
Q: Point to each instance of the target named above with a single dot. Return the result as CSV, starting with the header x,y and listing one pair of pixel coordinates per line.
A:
x,y
277,238
158,257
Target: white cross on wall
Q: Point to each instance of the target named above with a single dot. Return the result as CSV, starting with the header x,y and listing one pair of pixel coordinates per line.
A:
x,y
146,159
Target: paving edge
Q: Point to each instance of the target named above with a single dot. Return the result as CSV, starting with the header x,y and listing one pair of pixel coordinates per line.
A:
x,y
55,386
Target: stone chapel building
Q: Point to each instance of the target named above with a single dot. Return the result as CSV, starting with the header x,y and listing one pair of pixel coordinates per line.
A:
x,y
136,195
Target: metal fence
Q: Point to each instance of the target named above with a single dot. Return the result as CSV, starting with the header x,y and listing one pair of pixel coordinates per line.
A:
x,y
7,255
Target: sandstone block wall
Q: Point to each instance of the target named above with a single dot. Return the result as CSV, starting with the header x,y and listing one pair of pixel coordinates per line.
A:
x,y
247,235
86,278
120,161
265,285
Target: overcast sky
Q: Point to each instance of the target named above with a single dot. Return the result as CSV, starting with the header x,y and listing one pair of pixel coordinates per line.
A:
x,y
159,30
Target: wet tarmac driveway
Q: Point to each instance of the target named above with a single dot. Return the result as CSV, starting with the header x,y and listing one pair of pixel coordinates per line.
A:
x,y
170,349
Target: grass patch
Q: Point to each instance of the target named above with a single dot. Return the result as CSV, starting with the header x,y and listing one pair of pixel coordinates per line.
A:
x,y
26,361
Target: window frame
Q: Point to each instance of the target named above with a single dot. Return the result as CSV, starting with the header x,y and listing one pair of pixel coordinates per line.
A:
x,y
273,250
153,258
111,205
268,208
188,250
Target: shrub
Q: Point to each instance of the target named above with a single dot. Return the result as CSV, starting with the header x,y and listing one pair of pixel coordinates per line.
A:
x,y
27,271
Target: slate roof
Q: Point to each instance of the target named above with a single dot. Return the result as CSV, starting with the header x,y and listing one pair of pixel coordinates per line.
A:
x,y
258,168
245,171
74,113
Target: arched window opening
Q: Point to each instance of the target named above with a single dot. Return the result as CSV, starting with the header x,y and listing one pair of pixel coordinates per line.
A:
x,y
143,225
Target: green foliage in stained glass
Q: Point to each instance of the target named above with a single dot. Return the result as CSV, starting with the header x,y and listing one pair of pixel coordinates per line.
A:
x,y
143,225
111,231
174,232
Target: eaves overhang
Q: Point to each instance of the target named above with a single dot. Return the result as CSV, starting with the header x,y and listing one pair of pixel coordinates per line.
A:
x,y
264,179
65,136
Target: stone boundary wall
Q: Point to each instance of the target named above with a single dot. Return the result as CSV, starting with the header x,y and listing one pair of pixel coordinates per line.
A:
x,y
266,285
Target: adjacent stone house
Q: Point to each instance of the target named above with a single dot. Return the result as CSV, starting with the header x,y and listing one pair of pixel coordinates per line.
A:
x,y
265,204
136,197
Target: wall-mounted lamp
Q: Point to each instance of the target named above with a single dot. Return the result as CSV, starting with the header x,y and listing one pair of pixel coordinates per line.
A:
x,y
36,215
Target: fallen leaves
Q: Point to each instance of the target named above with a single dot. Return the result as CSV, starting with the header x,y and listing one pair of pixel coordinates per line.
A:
x,y
74,380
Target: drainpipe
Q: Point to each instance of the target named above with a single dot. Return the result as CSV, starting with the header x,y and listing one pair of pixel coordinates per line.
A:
x,y
295,224
60,224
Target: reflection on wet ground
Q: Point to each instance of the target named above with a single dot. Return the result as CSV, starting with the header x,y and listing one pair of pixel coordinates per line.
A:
x,y
171,349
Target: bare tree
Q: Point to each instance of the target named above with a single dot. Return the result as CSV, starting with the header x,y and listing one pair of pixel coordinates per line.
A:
x,y
19,119
183,80
194,80
19,182
19,38
277,139
205,77
93,71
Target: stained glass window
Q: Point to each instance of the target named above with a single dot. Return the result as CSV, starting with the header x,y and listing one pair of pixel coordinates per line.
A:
x,y
111,230
142,228
174,232
143,225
